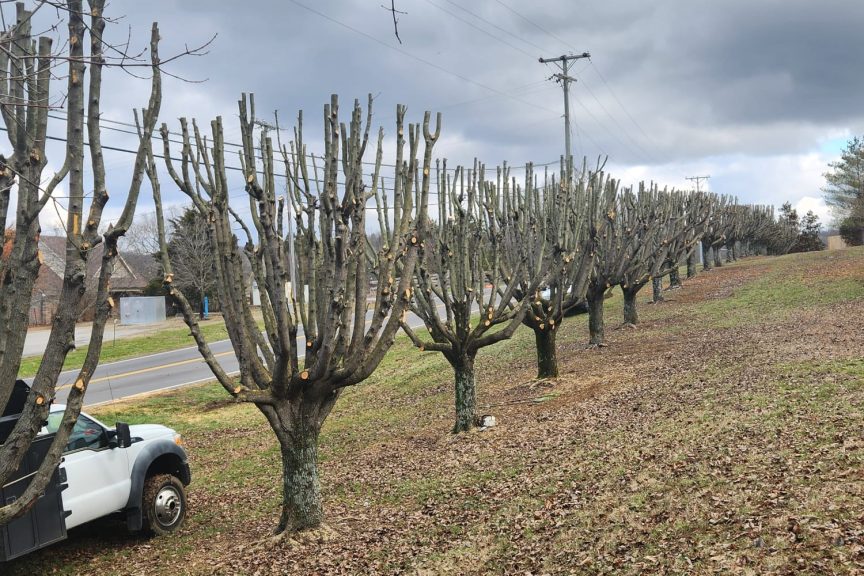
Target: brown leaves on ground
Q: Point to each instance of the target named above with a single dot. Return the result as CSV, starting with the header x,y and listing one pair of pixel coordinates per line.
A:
x,y
680,448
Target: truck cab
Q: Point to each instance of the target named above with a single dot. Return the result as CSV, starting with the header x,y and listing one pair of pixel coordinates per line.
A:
x,y
105,473
140,471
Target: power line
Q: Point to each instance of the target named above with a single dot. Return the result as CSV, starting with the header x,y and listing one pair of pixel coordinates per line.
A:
x,y
474,26
433,182
492,24
639,148
277,159
615,96
532,23
418,58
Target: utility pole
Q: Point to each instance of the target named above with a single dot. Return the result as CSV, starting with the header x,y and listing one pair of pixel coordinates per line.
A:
x,y
698,180
563,63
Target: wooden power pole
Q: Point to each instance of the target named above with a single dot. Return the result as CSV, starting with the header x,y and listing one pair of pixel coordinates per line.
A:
x,y
563,63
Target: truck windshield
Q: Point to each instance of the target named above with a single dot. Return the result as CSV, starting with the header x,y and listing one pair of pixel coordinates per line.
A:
x,y
85,434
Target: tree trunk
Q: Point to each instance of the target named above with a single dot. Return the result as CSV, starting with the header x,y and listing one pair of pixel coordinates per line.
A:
x,y
718,261
547,358
691,265
466,395
301,489
657,289
674,278
707,257
631,314
595,318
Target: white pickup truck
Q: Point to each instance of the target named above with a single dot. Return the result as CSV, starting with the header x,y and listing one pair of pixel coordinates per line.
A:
x,y
138,470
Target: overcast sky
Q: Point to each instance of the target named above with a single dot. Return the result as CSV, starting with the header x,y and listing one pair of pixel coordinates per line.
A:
x,y
758,94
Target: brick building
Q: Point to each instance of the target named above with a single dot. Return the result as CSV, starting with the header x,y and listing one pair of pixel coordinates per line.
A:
x,y
132,272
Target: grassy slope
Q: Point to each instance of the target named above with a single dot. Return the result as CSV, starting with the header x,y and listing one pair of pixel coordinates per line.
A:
x,y
722,436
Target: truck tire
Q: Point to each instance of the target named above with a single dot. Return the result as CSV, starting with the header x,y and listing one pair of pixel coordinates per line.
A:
x,y
163,504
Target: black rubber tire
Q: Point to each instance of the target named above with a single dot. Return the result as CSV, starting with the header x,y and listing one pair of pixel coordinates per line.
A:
x,y
163,504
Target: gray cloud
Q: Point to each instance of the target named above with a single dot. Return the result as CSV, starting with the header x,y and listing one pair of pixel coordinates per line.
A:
x,y
704,80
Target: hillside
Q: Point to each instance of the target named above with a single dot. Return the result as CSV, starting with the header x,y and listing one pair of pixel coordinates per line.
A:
x,y
724,435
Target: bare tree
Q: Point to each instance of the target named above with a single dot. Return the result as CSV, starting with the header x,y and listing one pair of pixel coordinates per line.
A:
x,y
633,250
26,66
573,212
717,230
756,229
472,262
680,236
143,235
295,387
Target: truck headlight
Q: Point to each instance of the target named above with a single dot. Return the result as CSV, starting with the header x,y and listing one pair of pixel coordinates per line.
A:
x,y
178,439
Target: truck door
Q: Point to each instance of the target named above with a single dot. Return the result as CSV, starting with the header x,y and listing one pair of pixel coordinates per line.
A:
x,y
97,474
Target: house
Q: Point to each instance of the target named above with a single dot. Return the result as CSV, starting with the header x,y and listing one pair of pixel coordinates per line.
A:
x,y
132,272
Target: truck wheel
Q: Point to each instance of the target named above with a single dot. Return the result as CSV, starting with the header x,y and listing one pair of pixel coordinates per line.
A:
x,y
163,503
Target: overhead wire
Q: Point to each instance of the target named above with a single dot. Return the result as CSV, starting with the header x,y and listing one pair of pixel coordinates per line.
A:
x,y
618,100
505,42
626,133
276,159
638,148
420,59
433,182
492,24
486,32
538,26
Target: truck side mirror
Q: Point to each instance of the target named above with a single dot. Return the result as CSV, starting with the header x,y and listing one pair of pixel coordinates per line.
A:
x,y
124,437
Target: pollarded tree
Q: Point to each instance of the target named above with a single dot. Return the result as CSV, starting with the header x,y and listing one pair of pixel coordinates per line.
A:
x,y
715,231
484,234
679,221
574,210
736,231
755,221
644,226
618,250
26,67
326,294
691,212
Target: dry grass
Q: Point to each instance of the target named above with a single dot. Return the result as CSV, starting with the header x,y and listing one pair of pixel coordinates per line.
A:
x,y
725,435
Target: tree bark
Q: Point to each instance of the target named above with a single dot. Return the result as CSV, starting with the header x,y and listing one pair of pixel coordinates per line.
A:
x,y
547,357
718,261
466,395
301,488
595,318
657,289
691,265
707,257
631,314
674,278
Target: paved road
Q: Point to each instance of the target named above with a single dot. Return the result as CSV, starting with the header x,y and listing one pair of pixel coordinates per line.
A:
x,y
161,371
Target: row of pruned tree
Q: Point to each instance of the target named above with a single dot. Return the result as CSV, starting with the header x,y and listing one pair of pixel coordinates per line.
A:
x,y
497,251
503,249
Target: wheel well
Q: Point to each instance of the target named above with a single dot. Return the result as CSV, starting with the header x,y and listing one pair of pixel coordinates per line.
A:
x,y
169,464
